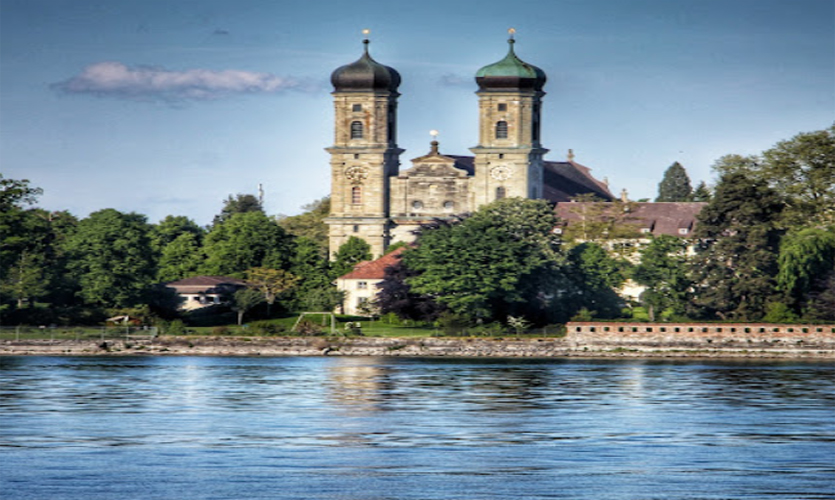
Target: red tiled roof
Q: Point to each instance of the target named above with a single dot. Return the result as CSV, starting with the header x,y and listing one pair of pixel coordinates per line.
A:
x,y
374,269
659,218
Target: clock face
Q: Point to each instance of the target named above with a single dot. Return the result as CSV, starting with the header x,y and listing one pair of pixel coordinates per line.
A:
x,y
500,173
356,174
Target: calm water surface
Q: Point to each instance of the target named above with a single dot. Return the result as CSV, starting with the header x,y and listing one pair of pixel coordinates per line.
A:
x,y
391,429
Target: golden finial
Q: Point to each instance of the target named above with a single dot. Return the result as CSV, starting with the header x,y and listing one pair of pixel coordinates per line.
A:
x,y
511,32
434,134
366,32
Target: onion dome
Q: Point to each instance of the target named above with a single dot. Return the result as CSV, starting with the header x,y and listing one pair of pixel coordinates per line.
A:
x,y
365,74
511,73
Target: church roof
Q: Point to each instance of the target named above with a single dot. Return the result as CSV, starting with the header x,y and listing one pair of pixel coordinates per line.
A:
x,y
510,73
565,180
374,269
365,74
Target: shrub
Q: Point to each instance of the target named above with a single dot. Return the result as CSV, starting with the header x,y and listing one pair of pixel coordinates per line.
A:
x,y
220,330
452,324
267,328
307,327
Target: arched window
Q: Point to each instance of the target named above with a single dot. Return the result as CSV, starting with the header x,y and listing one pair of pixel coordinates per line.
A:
x,y
356,130
500,192
501,130
356,195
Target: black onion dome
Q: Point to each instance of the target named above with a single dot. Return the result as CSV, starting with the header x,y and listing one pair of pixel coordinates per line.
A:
x,y
365,74
511,73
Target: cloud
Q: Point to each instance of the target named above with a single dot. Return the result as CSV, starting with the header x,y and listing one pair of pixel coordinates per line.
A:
x,y
151,83
453,80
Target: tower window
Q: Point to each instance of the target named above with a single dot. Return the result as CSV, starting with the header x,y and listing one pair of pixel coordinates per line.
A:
x,y
356,156
500,192
356,107
502,107
356,195
356,130
449,205
356,228
501,130
417,205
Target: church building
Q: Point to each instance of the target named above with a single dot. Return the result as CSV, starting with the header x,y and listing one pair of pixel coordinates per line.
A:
x,y
371,198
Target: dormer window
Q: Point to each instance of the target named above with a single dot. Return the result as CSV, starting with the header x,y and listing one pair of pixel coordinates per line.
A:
x,y
683,231
356,130
501,130
646,230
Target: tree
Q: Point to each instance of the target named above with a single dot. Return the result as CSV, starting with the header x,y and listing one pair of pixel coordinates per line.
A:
x,y
311,223
351,253
110,256
675,186
244,241
595,276
15,193
172,227
663,271
239,204
503,260
806,260
701,193
310,262
181,258
245,299
736,263
396,296
271,283
26,279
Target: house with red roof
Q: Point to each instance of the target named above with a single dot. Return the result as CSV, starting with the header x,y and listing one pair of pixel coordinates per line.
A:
x,y
360,285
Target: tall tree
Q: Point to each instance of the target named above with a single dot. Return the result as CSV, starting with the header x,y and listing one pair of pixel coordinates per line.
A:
x,y
246,240
595,277
110,256
15,193
736,262
311,223
170,228
271,283
181,258
310,262
806,260
503,260
675,186
663,271
396,296
351,253
239,204
701,193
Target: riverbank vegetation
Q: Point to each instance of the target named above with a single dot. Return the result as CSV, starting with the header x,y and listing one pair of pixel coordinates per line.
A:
x,y
763,250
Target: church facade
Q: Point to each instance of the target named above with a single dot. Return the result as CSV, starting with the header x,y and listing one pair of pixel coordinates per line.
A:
x,y
371,198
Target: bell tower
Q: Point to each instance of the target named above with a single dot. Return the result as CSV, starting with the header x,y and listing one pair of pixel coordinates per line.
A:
x,y
364,155
509,155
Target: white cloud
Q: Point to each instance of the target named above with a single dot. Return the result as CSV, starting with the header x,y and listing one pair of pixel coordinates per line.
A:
x,y
114,79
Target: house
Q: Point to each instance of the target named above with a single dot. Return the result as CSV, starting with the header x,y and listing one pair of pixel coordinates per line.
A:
x,y
360,285
203,291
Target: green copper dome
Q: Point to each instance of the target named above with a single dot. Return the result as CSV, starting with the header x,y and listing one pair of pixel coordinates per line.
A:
x,y
511,73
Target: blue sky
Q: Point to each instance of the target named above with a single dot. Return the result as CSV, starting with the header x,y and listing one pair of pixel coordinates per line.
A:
x,y
168,106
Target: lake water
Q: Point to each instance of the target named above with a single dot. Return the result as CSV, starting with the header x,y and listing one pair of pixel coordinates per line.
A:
x,y
86,428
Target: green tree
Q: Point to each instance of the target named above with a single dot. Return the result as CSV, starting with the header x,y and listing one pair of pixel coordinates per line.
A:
x,y
271,283
806,259
311,223
181,258
736,262
501,261
26,279
244,300
239,204
675,186
663,270
244,241
595,276
701,193
310,262
351,253
110,257
172,227
15,193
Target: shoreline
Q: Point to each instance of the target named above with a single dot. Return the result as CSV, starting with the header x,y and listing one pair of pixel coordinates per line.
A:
x,y
408,347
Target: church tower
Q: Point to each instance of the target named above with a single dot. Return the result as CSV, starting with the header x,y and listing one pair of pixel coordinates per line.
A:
x,y
364,155
509,155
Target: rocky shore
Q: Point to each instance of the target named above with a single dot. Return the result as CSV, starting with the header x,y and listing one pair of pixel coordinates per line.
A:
x,y
425,347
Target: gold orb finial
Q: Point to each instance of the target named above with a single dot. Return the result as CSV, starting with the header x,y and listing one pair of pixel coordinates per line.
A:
x,y
433,133
366,32
511,32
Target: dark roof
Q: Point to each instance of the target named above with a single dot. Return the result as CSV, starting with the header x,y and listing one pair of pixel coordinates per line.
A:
x,y
365,74
658,218
566,179
205,284
374,269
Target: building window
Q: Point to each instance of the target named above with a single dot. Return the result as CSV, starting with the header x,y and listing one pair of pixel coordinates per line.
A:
x,y
356,195
449,205
356,228
501,156
356,130
683,230
502,106
646,230
362,285
417,205
501,130
356,107
500,192
557,230
356,156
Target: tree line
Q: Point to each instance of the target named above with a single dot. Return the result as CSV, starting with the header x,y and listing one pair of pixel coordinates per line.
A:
x,y
763,249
